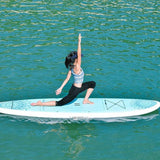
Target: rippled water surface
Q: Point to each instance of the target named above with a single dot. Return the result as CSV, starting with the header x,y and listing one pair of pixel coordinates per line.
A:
x,y
120,44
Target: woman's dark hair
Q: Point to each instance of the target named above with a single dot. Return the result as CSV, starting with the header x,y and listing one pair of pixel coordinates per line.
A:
x,y
70,59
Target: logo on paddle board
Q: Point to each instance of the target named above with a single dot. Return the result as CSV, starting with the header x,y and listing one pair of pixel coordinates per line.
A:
x,y
110,104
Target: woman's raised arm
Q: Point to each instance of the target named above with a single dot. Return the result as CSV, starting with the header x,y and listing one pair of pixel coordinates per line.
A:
x,y
79,50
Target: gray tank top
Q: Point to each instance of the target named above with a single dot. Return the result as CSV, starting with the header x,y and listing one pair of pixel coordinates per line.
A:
x,y
78,78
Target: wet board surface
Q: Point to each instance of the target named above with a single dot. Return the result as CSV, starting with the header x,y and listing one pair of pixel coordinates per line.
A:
x,y
102,108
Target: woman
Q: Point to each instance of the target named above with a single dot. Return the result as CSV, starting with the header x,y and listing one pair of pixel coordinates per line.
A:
x,y
73,62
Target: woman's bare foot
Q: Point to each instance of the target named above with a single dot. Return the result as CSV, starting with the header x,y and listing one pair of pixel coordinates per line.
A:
x,y
87,102
39,103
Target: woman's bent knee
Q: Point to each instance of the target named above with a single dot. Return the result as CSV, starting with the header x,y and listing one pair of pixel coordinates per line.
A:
x,y
92,84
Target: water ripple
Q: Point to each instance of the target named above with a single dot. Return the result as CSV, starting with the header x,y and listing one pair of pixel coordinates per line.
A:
x,y
120,38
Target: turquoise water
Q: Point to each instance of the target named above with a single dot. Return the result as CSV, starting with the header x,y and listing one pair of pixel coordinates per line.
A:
x,y
121,53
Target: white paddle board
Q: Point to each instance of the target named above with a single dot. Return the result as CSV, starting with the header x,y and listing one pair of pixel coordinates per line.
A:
x,y
102,108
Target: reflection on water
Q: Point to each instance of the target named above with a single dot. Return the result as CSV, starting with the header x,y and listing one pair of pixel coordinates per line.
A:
x,y
77,139
74,138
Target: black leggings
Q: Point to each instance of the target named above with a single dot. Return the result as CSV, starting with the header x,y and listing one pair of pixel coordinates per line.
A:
x,y
74,91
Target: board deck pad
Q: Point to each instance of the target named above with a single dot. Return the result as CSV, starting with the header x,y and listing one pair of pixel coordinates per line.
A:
x,y
102,107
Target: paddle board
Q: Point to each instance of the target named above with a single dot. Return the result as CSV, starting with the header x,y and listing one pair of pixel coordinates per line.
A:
x,y
102,108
